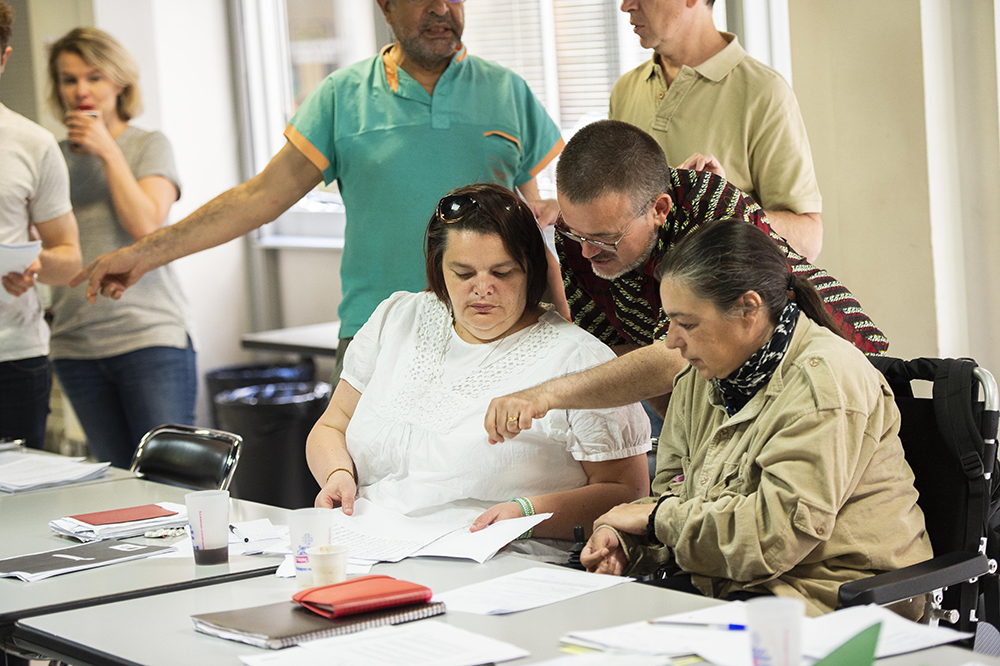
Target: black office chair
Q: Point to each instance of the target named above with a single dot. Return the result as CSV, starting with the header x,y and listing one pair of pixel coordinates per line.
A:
x,y
198,458
950,443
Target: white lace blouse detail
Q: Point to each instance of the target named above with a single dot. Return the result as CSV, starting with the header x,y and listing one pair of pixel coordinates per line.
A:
x,y
417,434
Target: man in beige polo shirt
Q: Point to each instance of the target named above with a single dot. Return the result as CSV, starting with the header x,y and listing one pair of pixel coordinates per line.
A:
x,y
711,106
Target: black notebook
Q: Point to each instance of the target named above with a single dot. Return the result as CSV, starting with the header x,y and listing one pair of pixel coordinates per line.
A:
x,y
286,623
75,558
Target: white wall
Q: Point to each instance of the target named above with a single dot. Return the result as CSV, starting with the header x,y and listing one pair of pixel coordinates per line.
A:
x,y
183,51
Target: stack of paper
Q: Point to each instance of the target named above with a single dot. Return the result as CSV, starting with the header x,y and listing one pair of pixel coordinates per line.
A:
x,y
75,558
715,634
23,471
121,523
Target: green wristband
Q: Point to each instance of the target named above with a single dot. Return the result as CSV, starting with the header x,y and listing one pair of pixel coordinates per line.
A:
x,y
527,509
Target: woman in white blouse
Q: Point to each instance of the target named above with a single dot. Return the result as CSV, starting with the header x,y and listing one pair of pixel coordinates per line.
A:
x,y
405,427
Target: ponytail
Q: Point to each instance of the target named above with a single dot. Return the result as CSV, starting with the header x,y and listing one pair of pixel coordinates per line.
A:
x,y
725,259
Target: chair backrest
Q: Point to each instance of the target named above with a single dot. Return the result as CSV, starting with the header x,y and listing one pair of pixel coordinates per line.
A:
x,y
198,458
947,476
950,444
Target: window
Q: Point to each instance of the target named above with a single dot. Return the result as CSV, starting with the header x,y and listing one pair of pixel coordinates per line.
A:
x,y
287,49
570,52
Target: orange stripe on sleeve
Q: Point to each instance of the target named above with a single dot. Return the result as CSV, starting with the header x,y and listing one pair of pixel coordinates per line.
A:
x,y
556,149
311,152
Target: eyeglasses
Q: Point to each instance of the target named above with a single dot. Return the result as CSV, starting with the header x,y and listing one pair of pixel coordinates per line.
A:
x,y
424,2
604,245
454,207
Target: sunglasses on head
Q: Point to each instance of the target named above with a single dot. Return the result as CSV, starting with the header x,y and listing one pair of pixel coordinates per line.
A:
x,y
454,207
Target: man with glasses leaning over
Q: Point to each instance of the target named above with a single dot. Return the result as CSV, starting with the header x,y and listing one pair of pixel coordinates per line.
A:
x,y
623,208
397,131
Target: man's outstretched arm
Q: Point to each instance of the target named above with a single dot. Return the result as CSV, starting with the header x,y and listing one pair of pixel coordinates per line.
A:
x,y
285,180
637,375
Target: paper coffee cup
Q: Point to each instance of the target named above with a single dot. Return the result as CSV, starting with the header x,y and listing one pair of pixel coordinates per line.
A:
x,y
328,564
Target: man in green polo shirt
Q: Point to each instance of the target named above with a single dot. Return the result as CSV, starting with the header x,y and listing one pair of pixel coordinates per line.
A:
x,y
397,132
710,105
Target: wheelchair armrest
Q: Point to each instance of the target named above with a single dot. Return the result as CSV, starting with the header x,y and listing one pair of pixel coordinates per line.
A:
x,y
914,580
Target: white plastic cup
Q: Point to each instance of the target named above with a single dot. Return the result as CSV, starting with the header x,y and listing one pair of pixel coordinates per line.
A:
x,y
775,626
328,564
208,515
308,528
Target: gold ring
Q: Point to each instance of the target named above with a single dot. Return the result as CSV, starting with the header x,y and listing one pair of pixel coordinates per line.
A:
x,y
511,418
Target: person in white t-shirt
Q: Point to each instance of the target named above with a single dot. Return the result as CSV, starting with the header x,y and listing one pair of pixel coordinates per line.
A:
x,y
34,204
405,428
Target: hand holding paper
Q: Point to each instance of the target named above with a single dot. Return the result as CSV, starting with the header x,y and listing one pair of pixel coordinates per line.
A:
x,y
19,266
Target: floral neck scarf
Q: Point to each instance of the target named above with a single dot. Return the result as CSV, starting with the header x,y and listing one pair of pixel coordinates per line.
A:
x,y
738,388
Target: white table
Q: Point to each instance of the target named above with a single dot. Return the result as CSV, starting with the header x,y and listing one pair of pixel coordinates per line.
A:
x,y
108,634
25,516
311,340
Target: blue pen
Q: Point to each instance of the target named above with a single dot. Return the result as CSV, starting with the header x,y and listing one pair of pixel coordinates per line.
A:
x,y
721,626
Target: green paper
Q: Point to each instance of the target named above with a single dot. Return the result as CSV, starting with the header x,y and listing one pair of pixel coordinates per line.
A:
x,y
857,651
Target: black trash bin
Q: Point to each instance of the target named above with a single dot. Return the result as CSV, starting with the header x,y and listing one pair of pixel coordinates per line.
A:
x,y
274,421
238,376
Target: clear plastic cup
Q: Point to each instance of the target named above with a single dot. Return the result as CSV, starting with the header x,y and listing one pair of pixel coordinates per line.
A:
x,y
328,564
208,515
307,528
775,626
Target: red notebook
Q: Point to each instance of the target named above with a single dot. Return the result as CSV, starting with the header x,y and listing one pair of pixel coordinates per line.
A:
x,y
124,515
360,595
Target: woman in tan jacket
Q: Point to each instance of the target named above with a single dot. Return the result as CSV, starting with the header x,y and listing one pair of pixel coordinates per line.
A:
x,y
779,469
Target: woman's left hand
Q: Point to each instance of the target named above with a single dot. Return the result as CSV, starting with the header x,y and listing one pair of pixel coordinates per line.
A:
x,y
631,518
87,134
502,511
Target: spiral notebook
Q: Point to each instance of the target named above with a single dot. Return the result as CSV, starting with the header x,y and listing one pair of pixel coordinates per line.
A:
x,y
286,623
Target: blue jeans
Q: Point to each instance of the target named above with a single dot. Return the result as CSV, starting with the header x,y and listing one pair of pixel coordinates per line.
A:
x,y
121,398
24,399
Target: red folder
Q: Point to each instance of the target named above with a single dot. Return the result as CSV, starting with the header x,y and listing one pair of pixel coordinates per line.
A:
x,y
360,595
124,515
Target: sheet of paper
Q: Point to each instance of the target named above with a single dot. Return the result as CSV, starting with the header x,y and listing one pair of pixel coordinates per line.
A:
x,y
29,472
15,258
374,533
605,659
423,643
261,532
722,648
484,544
821,635
526,589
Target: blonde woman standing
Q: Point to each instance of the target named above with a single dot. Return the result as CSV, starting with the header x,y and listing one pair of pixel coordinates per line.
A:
x,y
127,365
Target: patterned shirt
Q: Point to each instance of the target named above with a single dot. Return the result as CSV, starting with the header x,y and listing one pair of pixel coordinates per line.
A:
x,y
627,309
